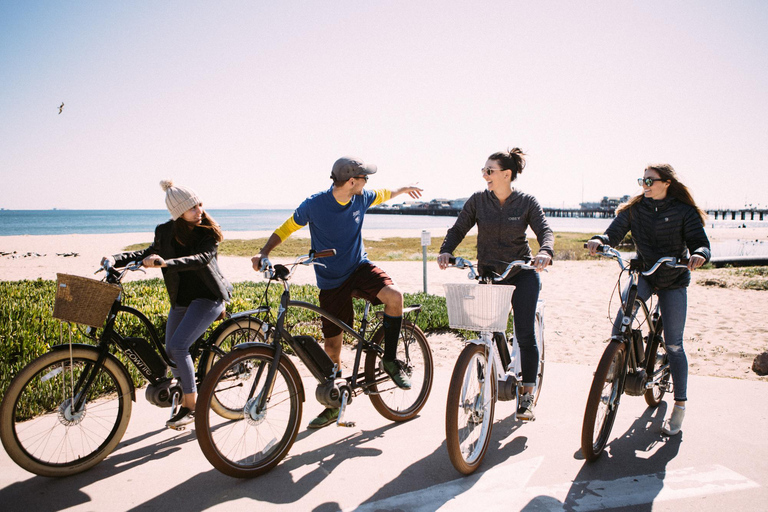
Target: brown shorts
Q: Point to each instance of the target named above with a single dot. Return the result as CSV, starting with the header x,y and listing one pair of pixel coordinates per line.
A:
x,y
365,283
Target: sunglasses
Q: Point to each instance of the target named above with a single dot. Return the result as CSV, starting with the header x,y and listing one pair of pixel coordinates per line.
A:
x,y
361,178
648,181
488,171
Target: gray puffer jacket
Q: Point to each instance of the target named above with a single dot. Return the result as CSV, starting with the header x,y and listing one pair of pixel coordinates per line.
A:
x,y
661,228
501,229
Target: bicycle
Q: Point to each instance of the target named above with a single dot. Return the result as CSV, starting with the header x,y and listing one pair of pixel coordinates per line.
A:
x,y
635,361
68,409
471,396
263,384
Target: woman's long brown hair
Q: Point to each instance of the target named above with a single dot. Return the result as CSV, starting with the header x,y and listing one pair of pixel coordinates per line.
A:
x,y
676,189
182,230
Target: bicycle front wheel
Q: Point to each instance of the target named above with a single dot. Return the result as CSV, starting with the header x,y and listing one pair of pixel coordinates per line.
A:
x,y
469,409
658,362
240,330
603,400
413,351
41,430
539,332
258,439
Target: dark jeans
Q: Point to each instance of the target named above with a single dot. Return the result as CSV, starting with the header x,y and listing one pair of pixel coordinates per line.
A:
x,y
527,285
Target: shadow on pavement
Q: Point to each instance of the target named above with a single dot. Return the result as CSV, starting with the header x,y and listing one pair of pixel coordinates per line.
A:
x,y
43,494
640,451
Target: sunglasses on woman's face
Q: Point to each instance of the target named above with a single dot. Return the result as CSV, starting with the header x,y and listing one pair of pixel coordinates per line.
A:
x,y
648,182
488,171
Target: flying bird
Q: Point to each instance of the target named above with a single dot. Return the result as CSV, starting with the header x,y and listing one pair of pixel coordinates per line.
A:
x,y
61,107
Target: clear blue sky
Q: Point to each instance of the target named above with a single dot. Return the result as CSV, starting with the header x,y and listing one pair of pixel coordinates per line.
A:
x,y
251,102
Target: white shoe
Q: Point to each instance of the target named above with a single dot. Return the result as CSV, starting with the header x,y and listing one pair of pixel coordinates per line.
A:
x,y
672,426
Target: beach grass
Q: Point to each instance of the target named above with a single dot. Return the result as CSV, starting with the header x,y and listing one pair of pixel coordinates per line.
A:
x,y
568,246
28,329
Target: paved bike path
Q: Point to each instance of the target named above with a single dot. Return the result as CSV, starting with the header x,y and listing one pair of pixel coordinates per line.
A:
x,y
719,461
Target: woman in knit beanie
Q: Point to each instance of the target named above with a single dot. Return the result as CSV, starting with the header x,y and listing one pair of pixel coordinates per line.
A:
x,y
186,249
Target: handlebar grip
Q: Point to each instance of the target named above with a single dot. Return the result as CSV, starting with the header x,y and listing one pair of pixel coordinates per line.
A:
x,y
600,248
325,253
452,260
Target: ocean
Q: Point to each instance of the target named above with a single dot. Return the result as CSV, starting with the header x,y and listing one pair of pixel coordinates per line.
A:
x,y
66,222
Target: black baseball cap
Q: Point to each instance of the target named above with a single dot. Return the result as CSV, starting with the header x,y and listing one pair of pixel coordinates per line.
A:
x,y
348,167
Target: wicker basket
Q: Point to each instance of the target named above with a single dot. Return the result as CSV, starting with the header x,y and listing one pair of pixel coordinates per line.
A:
x,y
478,307
83,301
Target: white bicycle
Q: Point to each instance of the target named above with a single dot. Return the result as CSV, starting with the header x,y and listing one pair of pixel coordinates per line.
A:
x,y
485,371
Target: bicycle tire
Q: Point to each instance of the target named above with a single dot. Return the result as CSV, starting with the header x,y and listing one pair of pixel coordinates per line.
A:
x,y
239,330
390,401
603,400
539,332
57,442
468,413
658,359
248,446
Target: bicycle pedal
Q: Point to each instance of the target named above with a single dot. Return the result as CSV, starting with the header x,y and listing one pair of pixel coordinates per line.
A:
x,y
346,424
178,429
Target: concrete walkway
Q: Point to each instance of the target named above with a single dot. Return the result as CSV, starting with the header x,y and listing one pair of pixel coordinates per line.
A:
x,y
720,461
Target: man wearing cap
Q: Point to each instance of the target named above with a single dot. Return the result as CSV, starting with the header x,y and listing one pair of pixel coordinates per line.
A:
x,y
335,219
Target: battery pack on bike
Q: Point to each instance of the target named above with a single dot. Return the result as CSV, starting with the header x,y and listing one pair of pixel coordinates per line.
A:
x,y
141,353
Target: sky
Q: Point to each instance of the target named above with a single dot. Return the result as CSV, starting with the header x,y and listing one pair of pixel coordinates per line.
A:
x,y
251,102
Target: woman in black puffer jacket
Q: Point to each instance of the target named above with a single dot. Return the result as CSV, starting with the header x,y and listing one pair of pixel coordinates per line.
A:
x,y
664,221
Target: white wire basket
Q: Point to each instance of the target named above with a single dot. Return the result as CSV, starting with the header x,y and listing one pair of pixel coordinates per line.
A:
x,y
478,307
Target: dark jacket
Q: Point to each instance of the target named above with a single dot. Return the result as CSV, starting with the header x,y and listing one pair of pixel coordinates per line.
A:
x,y
501,229
202,262
661,228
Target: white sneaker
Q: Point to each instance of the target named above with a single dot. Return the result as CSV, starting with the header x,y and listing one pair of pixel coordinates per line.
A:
x,y
672,426
181,418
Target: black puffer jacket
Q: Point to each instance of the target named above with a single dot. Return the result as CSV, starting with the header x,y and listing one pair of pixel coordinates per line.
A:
x,y
202,262
661,228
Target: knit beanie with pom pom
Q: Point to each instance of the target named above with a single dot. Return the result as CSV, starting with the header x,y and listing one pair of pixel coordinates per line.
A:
x,y
178,199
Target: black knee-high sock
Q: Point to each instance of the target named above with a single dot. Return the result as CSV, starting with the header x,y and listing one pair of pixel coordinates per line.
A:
x,y
392,326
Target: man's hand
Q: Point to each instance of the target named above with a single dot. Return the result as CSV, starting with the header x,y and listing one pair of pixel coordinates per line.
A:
x,y
260,262
593,245
153,260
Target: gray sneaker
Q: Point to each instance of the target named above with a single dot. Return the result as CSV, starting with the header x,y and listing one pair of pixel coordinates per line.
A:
x,y
525,408
673,425
181,418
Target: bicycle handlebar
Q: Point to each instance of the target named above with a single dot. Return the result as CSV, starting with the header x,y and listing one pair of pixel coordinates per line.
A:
x,y
460,262
670,261
283,273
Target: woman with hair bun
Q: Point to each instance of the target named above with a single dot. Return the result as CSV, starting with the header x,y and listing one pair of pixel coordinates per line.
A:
x,y
503,214
186,249
664,221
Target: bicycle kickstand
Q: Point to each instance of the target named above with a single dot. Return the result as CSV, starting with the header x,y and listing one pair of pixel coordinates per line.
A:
x,y
340,421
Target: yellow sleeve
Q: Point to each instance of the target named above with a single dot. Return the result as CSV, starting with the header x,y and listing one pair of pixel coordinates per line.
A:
x,y
288,228
381,196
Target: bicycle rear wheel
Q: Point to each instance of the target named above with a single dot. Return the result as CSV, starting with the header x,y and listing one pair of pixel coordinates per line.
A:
x,y
257,440
658,362
413,351
603,400
39,428
469,410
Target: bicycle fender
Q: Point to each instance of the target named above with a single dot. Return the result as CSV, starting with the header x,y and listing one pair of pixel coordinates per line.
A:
x,y
91,348
288,363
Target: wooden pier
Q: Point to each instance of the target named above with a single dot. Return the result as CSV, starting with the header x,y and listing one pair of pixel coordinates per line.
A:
x,y
595,213
738,214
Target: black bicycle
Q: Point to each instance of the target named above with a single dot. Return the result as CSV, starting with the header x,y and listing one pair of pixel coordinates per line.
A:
x,y
635,361
68,409
261,382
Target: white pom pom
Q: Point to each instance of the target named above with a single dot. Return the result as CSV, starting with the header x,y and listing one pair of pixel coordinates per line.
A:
x,y
166,184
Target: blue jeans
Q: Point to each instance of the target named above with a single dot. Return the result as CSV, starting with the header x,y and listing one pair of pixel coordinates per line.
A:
x,y
527,285
185,325
674,306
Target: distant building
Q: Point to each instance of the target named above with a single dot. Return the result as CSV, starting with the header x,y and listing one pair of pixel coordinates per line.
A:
x,y
606,204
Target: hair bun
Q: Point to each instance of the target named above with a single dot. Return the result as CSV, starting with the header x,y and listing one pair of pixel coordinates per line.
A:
x,y
166,184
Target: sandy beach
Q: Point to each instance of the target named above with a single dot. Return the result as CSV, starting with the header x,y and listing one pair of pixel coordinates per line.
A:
x,y
724,330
